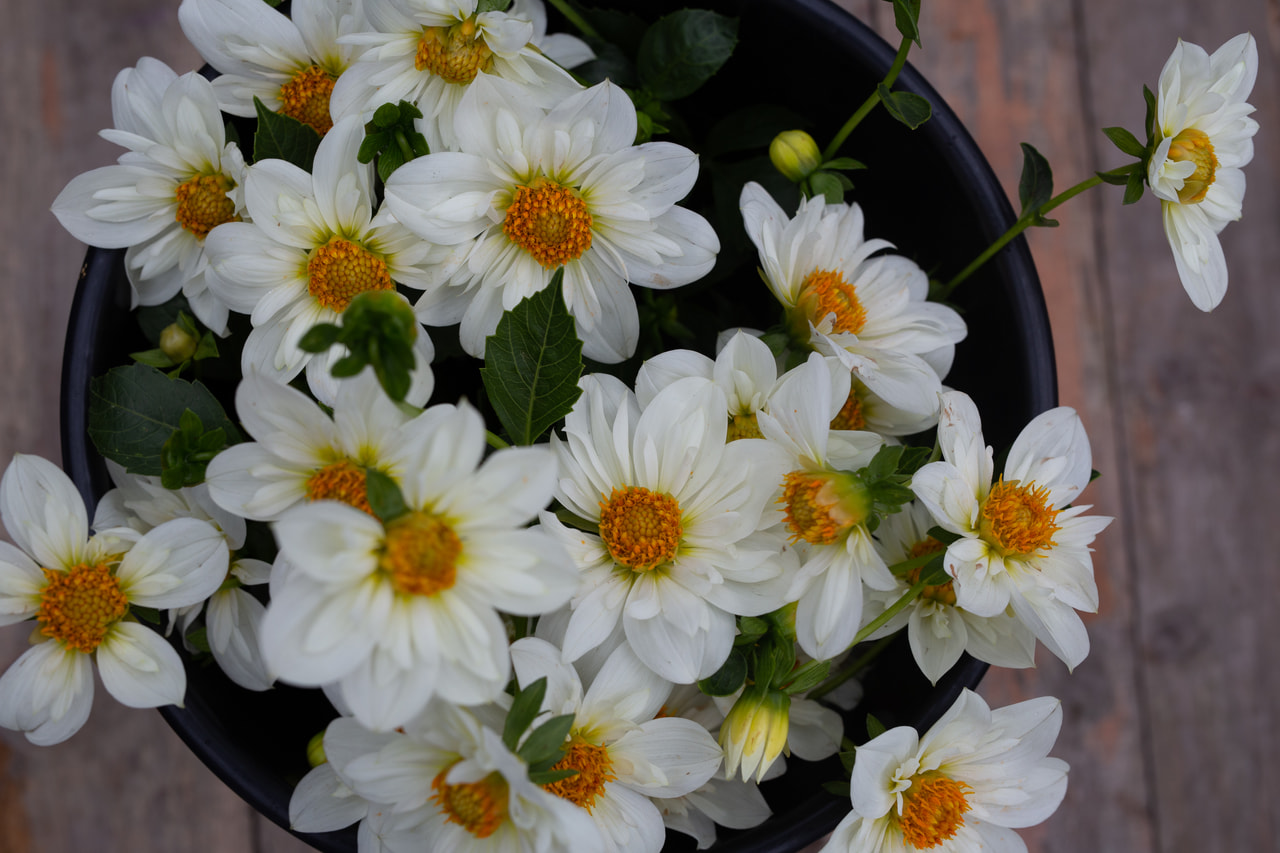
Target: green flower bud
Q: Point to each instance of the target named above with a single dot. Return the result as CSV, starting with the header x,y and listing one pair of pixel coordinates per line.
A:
x,y
177,343
795,154
754,732
315,750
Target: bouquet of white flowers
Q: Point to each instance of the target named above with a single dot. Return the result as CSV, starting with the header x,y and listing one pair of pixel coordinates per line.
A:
x,y
525,433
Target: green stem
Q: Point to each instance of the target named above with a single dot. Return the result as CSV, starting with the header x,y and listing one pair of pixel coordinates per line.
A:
x,y
900,569
577,20
869,104
494,441
851,670
1023,223
867,630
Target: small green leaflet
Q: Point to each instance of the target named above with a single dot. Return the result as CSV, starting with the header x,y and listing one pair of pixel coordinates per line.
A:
x,y
907,107
532,364
281,137
683,50
906,16
134,410
1036,185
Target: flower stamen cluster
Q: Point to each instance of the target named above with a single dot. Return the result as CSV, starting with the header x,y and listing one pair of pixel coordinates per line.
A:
x,y
341,270
305,97
203,203
640,528
340,481
478,807
933,810
1018,518
454,54
595,770
550,222
79,606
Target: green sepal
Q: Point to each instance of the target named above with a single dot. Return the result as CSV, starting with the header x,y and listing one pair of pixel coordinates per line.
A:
x,y
384,496
547,777
875,728
188,451
150,615
525,706
827,185
750,629
807,676
1152,113
546,742
198,639
731,675
1125,141
946,537
839,789
1134,188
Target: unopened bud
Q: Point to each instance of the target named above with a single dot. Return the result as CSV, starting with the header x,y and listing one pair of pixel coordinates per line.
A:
x,y
315,750
795,154
177,343
754,732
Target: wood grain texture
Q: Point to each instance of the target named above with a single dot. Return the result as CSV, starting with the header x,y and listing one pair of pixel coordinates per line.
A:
x,y
1169,724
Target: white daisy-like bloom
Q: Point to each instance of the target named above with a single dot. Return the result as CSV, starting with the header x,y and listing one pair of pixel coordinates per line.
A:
x,y
1023,546
290,63
937,630
678,552
1204,139
824,505
623,755
79,588
843,299
399,612
179,181
963,787
300,453
530,191
232,615
447,782
430,52
315,243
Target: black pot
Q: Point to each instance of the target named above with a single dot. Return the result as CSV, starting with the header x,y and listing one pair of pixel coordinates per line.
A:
x,y
929,191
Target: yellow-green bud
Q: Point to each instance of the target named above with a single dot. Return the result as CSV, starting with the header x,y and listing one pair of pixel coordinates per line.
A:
x,y
177,343
795,154
754,732
315,750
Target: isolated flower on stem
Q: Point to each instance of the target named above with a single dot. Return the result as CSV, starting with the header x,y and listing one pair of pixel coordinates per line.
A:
x,y
1022,544
1204,138
976,775
179,181
79,589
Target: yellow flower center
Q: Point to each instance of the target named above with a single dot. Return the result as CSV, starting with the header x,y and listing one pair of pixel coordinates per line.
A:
x,y
595,770
79,606
826,292
743,426
1017,518
640,528
1194,146
340,481
550,222
821,507
479,807
203,203
340,270
306,98
850,415
933,810
455,54
421,554
943,593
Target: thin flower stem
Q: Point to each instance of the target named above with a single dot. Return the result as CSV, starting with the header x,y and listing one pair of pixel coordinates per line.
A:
x,y
494,441
870,628
406,150
869,104
851,670
900,569
1024,222
576,19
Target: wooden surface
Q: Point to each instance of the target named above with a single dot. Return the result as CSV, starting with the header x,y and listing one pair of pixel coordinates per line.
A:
x,y
1169,724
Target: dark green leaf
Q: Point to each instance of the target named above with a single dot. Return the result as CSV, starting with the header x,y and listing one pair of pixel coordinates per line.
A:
x,y
839,789
683,50
946,537
546,740
152,358
728,678
389,161
1134,188
883,464
1036,185
906,17
546,777
611,63
386,116
320,337
198,639
907,107
525,705
807,676
146,614
532,364
1125,141
492,6
875,728
134,410
750,629
384,495
844,163
1152,113
281,137
751,128
827,185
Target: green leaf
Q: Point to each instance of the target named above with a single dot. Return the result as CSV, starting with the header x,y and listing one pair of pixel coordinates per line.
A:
x,y
906,17
750,629
135,410
546,740
751,128
946,537
807,676
844,163
384,496
683,50
532,364
907,107
281,137
146,614
875,728
546,777
839,789
827,185
1036,184
1134,187
152,358
1152,113
1125,141
320,337
525,705
728,678
198,639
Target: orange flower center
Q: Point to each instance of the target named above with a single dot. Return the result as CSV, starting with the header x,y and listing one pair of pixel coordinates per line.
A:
x,y
1017,518
340,481
455,54
850,415
306,98
821,507
79,606
341,270
743,426
550,222
479,807
421,554
203,203
640,528
933,810
942,593
595,770
1194,146
825,292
